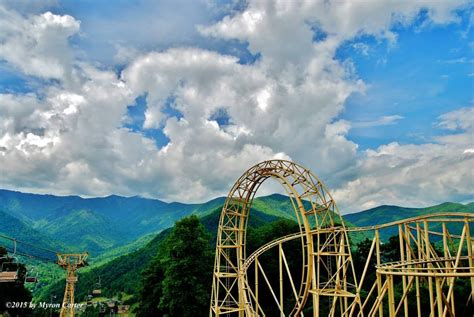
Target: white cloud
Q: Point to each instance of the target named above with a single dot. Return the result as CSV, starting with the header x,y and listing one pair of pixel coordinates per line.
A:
x,y
384,120
415,175
462,119
68,137
361,48
37,45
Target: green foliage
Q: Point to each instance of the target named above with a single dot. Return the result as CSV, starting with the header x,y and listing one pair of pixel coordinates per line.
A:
x,y
121,233
178,279
14,227
256,237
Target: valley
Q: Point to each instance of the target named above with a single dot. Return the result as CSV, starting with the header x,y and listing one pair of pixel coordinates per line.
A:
x,y
123,235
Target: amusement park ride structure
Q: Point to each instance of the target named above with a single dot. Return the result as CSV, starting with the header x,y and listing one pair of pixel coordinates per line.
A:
x,y
327,273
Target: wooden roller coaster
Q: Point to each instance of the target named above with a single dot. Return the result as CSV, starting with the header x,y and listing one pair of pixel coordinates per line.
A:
x,y
434,252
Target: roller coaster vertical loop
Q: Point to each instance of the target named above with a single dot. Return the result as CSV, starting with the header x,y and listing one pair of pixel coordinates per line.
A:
x,y
329,284
315,210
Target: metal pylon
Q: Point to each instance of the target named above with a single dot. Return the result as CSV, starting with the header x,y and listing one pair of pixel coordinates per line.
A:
x,y
70,262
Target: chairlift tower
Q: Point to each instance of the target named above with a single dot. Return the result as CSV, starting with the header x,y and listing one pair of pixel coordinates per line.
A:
x,y
70,262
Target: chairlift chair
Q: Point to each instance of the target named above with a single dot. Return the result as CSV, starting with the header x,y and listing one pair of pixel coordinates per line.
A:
x,y
10,272
97,289
31,277
10,269
96,292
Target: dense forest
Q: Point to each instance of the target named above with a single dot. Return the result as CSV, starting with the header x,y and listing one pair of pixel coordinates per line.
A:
x,y
171,274
176,281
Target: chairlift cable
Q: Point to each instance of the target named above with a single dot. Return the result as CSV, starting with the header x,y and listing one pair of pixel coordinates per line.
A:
x,y
27,244
31,256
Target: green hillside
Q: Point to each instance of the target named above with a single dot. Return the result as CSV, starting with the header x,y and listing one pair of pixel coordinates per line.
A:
x,y
385,214
96,224
122,274
13,227
102,225
123,234
85,230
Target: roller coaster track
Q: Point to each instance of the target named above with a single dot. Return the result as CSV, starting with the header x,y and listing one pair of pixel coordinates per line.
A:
x,y
435,254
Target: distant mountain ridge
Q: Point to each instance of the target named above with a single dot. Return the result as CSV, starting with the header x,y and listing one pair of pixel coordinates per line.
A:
x,y
103,224
386,213
95,224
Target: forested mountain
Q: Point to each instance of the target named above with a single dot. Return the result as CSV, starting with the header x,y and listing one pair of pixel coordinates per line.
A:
x,y
13,227
94,224
100,225
385,214
124,234
114,225
120,274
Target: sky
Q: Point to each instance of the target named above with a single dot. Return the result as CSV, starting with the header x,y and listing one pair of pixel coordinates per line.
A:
x,y
176,99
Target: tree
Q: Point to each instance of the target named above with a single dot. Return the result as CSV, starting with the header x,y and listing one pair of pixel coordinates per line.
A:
x,y
178,280
151,289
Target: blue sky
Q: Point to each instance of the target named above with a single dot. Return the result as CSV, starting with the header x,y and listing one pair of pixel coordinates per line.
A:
x,y
427,72
150,97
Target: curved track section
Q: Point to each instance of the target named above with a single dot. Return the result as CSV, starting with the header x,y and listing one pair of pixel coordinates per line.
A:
x,y
314,209
433,254
423,263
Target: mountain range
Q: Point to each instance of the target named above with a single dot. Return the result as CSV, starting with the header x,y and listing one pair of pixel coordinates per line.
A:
x,y
107,224
93,224
122,233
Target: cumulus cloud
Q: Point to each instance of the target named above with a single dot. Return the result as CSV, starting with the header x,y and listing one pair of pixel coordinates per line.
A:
x,y
37,45
415,175
70,137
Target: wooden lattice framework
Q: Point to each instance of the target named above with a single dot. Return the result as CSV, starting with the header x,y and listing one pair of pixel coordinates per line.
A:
x,y
317,217
327,266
